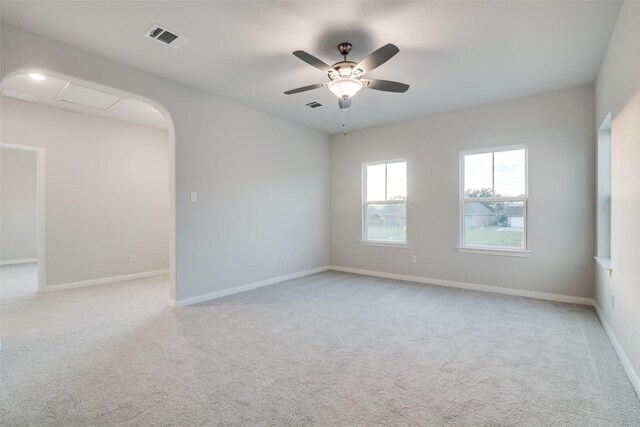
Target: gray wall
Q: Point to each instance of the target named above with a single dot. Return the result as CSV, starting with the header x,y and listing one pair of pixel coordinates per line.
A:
x,y
618,92
106,189
18,205
558,130
263,182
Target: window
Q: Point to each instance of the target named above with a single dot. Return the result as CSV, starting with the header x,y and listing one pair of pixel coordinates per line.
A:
x,y
603,213
494,199
604,190
385,202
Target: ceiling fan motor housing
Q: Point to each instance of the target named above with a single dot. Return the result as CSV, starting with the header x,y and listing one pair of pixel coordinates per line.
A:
x,y
341,69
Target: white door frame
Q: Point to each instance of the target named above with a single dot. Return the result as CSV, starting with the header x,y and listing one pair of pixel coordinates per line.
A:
x,y
40,232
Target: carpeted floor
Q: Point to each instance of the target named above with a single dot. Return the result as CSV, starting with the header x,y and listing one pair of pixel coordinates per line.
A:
x,y
18,279
329,349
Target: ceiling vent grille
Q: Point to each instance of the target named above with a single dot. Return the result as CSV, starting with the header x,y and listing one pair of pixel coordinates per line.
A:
x,y
164,36
314,104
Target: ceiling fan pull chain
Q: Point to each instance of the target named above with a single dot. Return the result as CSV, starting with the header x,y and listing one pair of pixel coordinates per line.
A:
x,y
344,121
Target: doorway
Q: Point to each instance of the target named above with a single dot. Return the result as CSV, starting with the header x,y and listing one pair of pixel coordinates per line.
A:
x,y
22,254
126,259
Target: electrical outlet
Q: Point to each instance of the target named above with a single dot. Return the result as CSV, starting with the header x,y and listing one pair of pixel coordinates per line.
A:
x,y
288,259
134,258
414,259
274,260
194,196
613,301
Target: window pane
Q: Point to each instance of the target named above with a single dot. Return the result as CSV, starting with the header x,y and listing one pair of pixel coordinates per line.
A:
x,y
478,172
386,222
494,224
509,173
375,182
397,181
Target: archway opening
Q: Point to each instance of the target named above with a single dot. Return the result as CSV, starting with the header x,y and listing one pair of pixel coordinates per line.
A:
x,y
105,197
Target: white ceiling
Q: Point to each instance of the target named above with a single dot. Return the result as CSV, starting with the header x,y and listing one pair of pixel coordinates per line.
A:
x,y
453,54
58,93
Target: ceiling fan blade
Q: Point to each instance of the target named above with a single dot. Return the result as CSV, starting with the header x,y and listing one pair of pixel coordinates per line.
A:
x,y
304,88
344,103
387,86
377,58
313,61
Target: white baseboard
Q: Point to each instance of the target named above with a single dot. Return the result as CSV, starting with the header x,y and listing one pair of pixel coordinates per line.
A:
x,y
470,286
439,282
225,292
626,364
18,261
105,280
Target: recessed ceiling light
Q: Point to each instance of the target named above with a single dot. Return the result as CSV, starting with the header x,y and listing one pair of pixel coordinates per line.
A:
x,y
39,77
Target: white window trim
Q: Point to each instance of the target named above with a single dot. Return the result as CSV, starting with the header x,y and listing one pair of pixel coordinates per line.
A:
x,y
494,250
605,263
382,243
481,250
604,165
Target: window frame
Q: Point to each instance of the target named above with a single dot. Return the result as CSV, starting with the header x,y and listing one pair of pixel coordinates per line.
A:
x,y
364,240
495,250
604,170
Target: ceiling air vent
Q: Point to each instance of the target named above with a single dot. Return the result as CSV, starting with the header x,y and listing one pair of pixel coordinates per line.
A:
x,y
164,36
314,104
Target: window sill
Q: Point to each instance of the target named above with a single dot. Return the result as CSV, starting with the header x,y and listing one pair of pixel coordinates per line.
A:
x,y
605,263
384,244
498,252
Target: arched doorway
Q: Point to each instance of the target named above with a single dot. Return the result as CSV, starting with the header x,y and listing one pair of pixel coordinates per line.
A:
x,y
69,94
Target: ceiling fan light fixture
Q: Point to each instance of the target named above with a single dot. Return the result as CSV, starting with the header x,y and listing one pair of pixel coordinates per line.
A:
x,y
345,87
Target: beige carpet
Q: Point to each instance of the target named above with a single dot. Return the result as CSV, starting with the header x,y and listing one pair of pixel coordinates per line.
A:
x,y
330,349
18,279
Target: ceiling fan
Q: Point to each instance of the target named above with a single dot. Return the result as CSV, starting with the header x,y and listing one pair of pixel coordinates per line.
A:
x,y
345,77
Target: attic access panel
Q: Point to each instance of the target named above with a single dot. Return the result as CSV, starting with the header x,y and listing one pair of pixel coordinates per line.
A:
x,y
86,97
